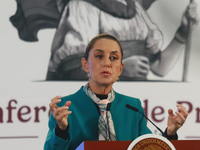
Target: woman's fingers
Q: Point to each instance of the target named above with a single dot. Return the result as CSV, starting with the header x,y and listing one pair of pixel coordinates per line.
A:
x,y
171,116
54,101
59,111
181,114
60,114
68,103
182,110
64,114
180,117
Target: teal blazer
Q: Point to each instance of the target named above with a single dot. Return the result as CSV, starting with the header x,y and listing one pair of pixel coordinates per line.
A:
x,y
83,122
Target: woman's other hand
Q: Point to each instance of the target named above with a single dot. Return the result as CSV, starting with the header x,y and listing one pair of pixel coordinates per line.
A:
x,y
176,121
60,113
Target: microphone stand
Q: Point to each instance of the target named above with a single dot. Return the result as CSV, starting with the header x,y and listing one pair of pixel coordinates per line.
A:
x,y
135,109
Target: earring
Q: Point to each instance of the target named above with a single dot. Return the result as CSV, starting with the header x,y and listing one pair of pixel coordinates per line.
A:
x,y
88,75
118,79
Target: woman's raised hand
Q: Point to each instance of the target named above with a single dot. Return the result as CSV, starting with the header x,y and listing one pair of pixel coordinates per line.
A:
x,y
175,121
60,113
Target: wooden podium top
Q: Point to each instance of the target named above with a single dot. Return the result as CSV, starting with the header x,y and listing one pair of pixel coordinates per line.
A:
x,y
123,145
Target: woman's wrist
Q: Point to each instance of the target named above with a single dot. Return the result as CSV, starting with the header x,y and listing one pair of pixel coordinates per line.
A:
x,y
62,127
170,137
64,134
170,133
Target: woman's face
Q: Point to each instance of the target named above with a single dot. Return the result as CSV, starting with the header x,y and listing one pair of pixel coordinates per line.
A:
x,y
104,62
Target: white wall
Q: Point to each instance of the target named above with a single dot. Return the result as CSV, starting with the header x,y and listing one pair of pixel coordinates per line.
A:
x,y
23,67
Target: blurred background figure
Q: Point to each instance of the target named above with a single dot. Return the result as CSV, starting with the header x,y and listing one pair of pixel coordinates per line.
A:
x,y
80,20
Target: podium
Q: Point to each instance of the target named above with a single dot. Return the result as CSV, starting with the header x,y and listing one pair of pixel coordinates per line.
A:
x,y
123,145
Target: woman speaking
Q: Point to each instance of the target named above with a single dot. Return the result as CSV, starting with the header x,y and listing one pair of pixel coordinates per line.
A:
x,y
96,111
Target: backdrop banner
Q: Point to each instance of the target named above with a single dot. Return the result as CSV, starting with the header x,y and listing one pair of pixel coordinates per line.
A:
x,y
42,42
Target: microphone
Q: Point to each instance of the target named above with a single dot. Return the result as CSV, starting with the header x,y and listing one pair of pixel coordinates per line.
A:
x,y
107,128
137,110
108,107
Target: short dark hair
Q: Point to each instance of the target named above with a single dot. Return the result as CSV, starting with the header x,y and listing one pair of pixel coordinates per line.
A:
x,y
100,36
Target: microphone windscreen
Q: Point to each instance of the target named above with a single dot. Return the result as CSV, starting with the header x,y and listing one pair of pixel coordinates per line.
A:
x,y
131,107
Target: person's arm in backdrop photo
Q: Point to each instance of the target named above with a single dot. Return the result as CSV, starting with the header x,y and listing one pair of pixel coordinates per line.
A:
x,y
168,57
